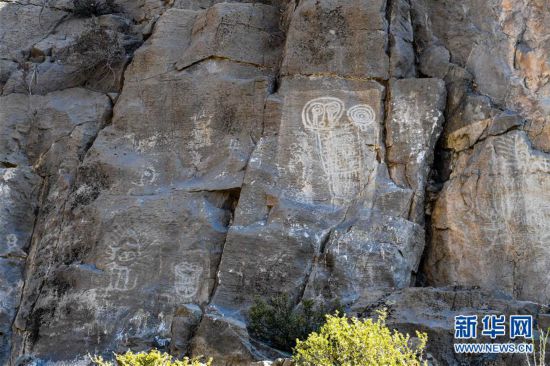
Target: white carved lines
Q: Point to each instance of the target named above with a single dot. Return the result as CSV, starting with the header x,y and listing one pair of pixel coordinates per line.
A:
x,y
362,115
518,155
123,249
338,142
187,277
11,240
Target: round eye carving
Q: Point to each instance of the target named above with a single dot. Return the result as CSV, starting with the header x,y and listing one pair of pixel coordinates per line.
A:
x,y
321,113
362,115
317,110
332,110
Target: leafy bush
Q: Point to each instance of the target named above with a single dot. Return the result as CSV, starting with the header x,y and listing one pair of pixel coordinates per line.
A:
x,y
343,341
88,8
279,323
152,358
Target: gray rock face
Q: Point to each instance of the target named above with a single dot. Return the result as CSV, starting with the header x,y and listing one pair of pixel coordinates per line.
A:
x,y
43,140
323,35
432,310
164,163
502,231
18,195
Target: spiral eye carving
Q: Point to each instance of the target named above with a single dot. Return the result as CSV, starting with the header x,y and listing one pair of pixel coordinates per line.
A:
x,y
362,115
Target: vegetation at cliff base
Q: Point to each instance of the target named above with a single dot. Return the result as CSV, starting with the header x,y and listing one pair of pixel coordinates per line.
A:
x,y
152,358
539,356
365,342
279,323
340,341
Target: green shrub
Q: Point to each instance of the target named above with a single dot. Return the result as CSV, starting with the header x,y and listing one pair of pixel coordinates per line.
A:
x,y
152,358
539,356
279,323
353,342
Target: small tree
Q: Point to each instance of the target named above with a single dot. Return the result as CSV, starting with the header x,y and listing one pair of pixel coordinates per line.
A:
x,y
152,358
354,342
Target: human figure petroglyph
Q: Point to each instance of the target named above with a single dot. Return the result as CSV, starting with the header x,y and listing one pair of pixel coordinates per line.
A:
x,y
123,248
123,255
338,142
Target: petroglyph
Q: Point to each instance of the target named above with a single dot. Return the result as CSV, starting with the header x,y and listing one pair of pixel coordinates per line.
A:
x,y
518,155
187,279
11,241
124,247
362,115
148,176
339,143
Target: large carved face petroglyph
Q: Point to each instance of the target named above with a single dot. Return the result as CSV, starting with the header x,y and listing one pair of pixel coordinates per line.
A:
x,y
338,142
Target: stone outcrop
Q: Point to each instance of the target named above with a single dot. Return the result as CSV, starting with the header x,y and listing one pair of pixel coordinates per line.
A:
x,y
432,310
164,163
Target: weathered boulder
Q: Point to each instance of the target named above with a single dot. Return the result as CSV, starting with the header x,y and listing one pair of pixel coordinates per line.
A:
x,y
490,223
503,45
414,125
432,310
323,37
50,133
136,237
18,202
24,25
215,31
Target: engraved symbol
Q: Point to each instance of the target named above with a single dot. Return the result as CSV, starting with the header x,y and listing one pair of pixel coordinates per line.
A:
x,y
338,142
322,113
11,241
362,115
187,277
123,251
148,176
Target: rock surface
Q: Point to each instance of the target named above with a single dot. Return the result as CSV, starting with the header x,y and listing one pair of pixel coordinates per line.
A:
x,y
164,163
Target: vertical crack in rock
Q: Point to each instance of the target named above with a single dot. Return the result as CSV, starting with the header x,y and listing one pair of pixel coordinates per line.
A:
x,y
12,256
29,336
230,204
254,150
80,127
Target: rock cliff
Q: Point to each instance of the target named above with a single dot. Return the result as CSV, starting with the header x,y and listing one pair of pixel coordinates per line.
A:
x,y
165,162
